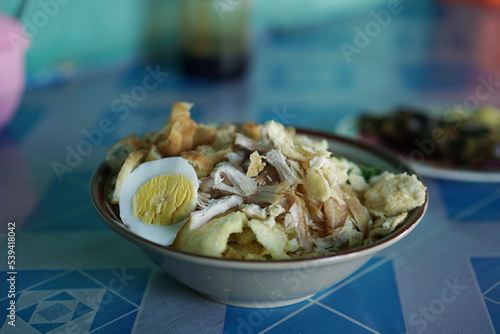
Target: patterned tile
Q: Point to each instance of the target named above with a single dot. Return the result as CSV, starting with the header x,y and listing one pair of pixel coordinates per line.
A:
x,y
494,310
243,320
51,312
124,325
319,320
366,301
479,200
120,281
372,300
102,301
487,272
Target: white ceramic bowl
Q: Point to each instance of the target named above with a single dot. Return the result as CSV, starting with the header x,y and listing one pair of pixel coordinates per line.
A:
x,y
271,283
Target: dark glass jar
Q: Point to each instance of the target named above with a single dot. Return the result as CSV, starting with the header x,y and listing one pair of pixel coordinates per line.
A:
x,y
214,38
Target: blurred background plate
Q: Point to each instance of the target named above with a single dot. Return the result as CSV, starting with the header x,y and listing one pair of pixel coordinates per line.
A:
x,y
348,127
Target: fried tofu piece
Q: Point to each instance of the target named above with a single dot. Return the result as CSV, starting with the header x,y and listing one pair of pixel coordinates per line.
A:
x,y
178,133
251,130
225,136
215,155
201,163
204,135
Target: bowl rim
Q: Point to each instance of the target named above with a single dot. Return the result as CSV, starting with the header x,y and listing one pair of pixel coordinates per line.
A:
x,y
104,209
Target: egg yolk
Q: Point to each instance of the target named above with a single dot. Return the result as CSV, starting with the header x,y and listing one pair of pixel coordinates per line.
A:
x,y
164,200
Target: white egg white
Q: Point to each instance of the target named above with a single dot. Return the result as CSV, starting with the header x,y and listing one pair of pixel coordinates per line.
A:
x,y
163,235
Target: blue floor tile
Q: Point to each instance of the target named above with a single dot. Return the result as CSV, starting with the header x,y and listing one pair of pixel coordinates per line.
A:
x,y
319,320
459,196
487,271
122,326
26,313
61,296
494,293
54,312
254,320
111,307
72,280
368,264
31,277
44,328
494,310
130,283
244,320
371,299
79,295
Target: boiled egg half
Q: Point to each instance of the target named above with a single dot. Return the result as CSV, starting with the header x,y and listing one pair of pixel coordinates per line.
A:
x,y
158,197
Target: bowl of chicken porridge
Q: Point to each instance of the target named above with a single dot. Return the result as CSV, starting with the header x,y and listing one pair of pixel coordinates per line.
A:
x,y
255,215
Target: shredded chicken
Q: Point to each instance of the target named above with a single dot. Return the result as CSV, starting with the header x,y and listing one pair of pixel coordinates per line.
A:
x,y
235,158
358,211
238,183
214,208
277,159
253,211
296,218
335,214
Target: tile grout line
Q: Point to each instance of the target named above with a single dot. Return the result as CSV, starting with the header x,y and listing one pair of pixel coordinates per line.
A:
x,y
108,323
492,300
491,288
140,309
478,288
345,316
287,317
349,280
358,275
105,287
476,206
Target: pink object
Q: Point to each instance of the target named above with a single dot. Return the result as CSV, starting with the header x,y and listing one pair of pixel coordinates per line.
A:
x,y
13,46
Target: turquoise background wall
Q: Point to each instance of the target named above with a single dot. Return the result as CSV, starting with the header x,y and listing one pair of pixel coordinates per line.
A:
x,y
73,34
69,36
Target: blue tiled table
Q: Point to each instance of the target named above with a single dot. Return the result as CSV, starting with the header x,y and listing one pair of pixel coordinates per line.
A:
x,y
74,275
